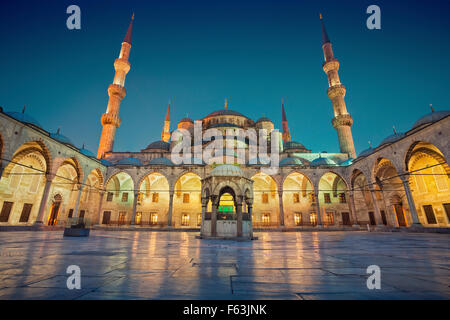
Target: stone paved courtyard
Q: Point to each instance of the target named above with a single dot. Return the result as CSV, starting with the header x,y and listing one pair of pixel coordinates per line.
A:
x,y
176,265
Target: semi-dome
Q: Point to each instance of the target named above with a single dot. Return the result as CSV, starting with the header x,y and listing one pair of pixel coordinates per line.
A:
x,y
87,153
431,117
161,162
227,170
347,162
159,145
291,161
25,118
293,145
366,152
392,138
129,162
321,161
61,138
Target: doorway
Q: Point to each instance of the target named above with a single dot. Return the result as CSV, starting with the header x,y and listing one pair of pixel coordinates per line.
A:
x,y
54,211
400,215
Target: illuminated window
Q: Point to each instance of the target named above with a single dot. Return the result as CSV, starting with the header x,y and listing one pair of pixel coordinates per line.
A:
x,y
155,197
140,196
122,217
185,197
125,197
153,218
327,198
296,197
109,196
342,198
138,218
298,219
265,219
199,219
329,216
313,219
265,198
312,197
185,219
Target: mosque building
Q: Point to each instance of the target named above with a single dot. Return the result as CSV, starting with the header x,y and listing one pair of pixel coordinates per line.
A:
x,y
403,182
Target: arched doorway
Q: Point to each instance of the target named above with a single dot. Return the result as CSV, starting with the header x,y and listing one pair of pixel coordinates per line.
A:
x,y
187,206
266,208
298,200
118,203
429,180
333,200
153,200
364,206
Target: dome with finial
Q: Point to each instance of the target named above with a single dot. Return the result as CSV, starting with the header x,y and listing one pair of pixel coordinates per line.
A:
x,y
161,162
392,138
227,170
187,119
24,118
86,152
432,117
161,145
264,119
130,161
366,152
291,161
322,161
61,138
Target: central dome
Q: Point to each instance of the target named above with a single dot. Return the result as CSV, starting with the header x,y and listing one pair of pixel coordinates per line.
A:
x,y
225,112
227,170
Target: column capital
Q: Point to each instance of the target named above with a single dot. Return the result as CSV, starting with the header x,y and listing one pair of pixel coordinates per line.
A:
x,y
50,176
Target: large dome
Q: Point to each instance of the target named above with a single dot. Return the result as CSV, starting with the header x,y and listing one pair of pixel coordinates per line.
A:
x,y
293,145
225,112
291,161
431,117
158,145
227,170
321,161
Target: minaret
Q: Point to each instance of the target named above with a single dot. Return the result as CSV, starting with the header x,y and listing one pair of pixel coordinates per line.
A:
x,y
342,120
116,92
286,133
165,134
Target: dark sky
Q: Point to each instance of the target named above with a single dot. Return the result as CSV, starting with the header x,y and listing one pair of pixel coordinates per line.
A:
x,y
197,53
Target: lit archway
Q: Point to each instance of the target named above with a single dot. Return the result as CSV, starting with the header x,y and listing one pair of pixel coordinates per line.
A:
x,y
118,201
333,200
298,198
266,209
430,184
187,204
365,211
153,200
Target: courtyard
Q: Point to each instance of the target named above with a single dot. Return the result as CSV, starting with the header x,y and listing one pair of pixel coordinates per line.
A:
x,y
176,265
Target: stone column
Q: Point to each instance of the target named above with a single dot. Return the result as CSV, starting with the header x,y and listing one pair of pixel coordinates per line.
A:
x,y
44,199
409,197
249,207
214,216
133,215
169,219
77,202
239,216
280,199
100,205
378,219
353,209
204,204
318,213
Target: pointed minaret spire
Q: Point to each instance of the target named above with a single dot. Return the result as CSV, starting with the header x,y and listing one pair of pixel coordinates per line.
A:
x,y
342,120
325,38
127,38
225,105
165,133
286,135
116,92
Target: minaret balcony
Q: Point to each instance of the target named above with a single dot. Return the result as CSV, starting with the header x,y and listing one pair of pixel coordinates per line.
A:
x,y
336,91
108,118
122,64
115,89
342,120
332,64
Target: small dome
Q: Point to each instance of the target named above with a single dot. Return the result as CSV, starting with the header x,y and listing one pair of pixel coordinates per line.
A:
x,y
25,118
322,162
293,145
106,163
159,145
129,162
392,138
61,138
257,161
264,119
187,119
366,152
291,161
431,117
227,170
87,153
347,162
161,162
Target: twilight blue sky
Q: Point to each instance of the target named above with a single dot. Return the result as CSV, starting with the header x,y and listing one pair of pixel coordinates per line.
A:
x,y
197,53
